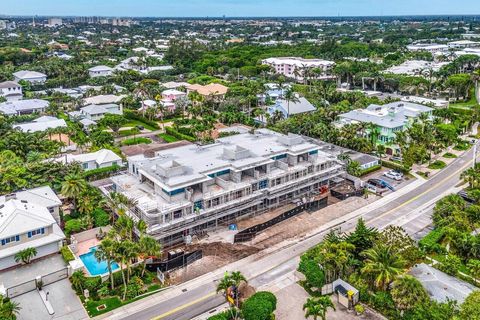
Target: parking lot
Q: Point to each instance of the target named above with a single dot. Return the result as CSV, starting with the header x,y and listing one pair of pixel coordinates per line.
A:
x,y
379,174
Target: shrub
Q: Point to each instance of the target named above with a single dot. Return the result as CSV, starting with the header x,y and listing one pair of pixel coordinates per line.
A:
x,y
462,146
73,226
437,165
370,170
167,138
359,309
100,218
67,255
431,239
260,306
450,265
101,173
314,275
395,166
225,315
449,155
171,131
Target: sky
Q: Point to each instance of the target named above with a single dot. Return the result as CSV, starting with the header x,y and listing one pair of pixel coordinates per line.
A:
x,y
237,8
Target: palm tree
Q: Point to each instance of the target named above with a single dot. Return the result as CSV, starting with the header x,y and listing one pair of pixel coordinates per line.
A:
x,y
124,227
78,279
25,255
383,265
72,187
317,307
119,250
237,277
148,247
290,96
105,252
8,309
408,292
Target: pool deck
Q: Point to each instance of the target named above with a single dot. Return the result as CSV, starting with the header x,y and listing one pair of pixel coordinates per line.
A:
x,y
84,246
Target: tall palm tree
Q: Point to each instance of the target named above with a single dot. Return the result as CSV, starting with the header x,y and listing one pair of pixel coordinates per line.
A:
x,y
72,187
119,250
317,307
290,96
105,251
408,292
124,227
148,247
383,265
78,279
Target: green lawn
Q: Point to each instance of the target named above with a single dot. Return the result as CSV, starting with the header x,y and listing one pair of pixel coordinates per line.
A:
x,y
449,155
130,132
462,146
436,165
167,138
132,141
134,123
467,104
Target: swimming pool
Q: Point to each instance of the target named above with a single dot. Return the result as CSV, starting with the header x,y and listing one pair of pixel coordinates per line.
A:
x,y
94,266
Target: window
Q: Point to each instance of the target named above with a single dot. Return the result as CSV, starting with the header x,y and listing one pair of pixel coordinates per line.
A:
x,y
10,239
263,184
85,165
36,232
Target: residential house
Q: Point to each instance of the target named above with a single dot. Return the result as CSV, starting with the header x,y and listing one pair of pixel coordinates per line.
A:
x,y
388,119
19,107
11,90
24,224
171,95
41,124
30,76
174,85
103,99
100,159
299,68
429,47
96,112
213,91
100,71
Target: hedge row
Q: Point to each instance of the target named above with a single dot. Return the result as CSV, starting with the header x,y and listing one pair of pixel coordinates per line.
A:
x,y
431,239
370,170
101,173
67,254
129,114
171,131
395,166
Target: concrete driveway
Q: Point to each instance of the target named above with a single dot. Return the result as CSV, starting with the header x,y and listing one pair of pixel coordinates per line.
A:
x,y
64,301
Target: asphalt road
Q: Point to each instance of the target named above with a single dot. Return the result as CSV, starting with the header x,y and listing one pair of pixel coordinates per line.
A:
x,y
403,211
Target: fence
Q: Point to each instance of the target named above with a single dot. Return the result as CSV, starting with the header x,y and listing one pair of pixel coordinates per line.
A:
x,y
174,263
250,233
31,285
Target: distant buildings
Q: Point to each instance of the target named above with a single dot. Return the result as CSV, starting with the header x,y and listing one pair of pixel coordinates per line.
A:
x,y
100,71
19,107
389,119
432,48
41,124
214,91
190,189
11,90
416,68
54,22
30,76
298,68
29,219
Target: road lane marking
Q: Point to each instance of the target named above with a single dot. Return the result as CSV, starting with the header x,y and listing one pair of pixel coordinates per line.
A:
x,y
186,305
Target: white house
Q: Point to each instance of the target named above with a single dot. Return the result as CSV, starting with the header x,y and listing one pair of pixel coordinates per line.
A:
x,y
103,99
96,112
100,71
30,76
20,107
43,196
11,91
24,224
100,159
41,124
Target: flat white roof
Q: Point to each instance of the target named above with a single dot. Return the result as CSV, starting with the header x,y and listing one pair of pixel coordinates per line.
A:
x,y
41,125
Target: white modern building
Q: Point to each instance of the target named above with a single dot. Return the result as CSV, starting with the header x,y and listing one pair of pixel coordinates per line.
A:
x,y
11,90
19,107
429,47
27,221
190,189
416,68
54,22
41,124
461,44
30,76
100,71
296,68
100,159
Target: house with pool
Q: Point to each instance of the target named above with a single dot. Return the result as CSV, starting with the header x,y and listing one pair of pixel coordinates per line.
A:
x,y
388,119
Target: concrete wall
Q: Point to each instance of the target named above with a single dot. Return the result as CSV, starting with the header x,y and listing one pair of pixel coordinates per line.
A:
x,y
90,234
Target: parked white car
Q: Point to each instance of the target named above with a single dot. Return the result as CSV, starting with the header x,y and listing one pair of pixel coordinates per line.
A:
x,y
393,175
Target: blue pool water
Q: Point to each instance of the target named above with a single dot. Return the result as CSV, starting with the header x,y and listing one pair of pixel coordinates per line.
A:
x,y
94,266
